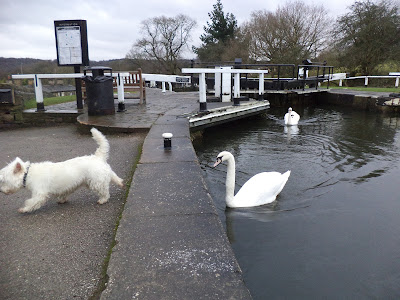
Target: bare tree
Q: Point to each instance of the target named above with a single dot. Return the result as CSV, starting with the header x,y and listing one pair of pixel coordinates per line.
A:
x,y
292,33
368,35
164,40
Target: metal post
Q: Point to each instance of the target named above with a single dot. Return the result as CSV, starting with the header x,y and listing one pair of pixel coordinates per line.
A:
x,y
366,81
397,82
163,86
78,88
167,140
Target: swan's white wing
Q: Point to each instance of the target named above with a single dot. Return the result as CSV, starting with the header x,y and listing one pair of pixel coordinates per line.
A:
x,y
291,118
260,189
295,117
286,118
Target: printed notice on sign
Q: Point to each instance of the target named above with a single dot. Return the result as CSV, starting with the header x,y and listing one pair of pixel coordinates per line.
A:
x,y
69,45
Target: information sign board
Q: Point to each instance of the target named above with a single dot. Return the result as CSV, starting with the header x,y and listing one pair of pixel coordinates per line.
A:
x,y
71,43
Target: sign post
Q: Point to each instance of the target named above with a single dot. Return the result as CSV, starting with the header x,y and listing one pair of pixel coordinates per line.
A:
x,y
72,49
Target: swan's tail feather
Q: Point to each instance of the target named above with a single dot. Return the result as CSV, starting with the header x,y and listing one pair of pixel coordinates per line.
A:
x,y
285,179
287,174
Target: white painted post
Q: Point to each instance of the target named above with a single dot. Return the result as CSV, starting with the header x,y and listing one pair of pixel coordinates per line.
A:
x,y
226,84
163,86
340,82
120,88
261,86
217,85
366,81
397,82
170,86
39,94
152,83
121,94
202,92
202,87
236,85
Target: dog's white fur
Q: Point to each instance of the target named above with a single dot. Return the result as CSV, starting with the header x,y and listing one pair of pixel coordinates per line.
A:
x,y
46,179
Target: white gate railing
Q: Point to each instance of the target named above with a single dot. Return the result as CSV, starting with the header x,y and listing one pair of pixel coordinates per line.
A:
x,y
120,83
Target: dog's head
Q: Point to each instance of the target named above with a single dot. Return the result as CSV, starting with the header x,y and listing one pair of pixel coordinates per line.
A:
x,y
12,176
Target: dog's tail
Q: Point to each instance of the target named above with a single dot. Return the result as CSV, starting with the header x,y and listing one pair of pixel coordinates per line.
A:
x,y
104,146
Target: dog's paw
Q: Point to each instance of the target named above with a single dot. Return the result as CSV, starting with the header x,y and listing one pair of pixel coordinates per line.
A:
x,y
102,201
22,210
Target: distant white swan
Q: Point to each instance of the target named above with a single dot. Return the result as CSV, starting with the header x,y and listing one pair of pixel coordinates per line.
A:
x,y
291,117
258,190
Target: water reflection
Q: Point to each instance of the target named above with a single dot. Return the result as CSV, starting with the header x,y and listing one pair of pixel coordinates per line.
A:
x,y
334,229
291,131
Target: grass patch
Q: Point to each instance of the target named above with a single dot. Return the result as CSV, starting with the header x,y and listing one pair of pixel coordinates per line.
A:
x,y
368,89
49,101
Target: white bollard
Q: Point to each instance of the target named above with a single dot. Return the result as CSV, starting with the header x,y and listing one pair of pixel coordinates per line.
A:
x,y
202,92
39,94
236,85
261,86
121,95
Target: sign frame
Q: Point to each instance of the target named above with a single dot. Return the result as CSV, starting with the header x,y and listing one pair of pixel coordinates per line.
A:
x,y
71,42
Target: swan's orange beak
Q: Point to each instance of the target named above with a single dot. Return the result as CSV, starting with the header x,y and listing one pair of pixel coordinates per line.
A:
x,y
219,160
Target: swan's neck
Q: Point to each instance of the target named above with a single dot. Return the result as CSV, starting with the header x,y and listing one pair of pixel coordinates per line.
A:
x,y
230,181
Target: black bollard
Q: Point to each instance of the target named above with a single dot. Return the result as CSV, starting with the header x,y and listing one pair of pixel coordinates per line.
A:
x,y
236,101
167,140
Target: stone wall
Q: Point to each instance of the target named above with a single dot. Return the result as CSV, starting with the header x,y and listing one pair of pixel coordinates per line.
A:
x,y
321,97
360,102
13,115
295,98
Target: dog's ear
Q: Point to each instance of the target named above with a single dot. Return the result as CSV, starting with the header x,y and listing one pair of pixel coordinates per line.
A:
x,y
17,168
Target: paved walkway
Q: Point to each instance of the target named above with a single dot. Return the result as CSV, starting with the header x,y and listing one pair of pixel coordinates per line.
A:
x,y
170,243
58,251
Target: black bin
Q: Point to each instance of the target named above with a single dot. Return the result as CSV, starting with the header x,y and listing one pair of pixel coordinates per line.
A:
x,y
6,96
99,91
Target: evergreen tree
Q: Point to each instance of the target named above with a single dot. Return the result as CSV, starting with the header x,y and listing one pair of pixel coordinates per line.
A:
x,y
218,32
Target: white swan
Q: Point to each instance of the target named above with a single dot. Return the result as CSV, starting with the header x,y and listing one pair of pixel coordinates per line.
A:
x,y
258,190
291,117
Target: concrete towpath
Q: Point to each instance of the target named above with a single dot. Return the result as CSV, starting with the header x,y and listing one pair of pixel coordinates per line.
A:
x,y
169,243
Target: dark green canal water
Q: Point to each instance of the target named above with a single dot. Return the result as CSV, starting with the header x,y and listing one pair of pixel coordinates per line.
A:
x,y
334,231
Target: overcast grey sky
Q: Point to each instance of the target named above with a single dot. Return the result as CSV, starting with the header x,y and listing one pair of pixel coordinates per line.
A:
x,y
27,26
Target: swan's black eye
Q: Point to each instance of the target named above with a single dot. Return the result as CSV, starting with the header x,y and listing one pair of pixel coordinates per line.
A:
x,y
219,158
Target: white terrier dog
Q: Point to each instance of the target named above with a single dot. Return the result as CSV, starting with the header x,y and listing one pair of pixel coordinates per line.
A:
x,y
60,179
